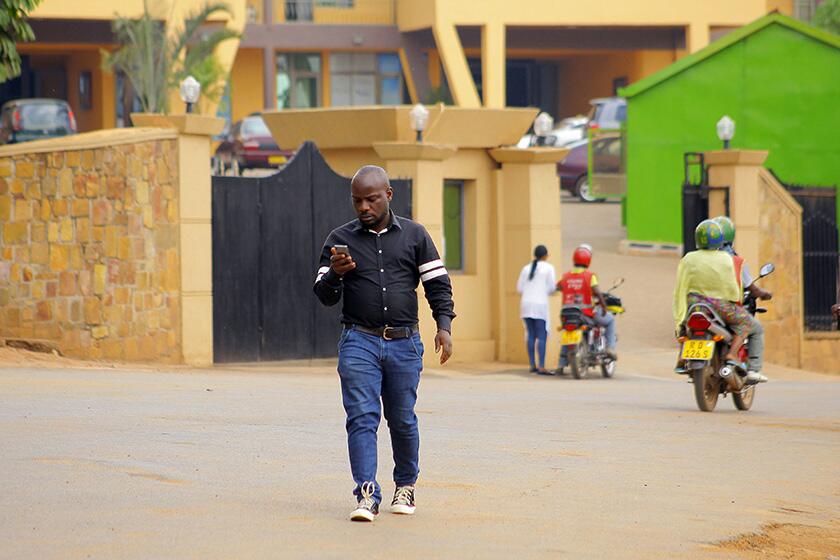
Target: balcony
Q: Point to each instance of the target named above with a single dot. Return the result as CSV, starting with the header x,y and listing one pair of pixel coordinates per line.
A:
x,y
343,12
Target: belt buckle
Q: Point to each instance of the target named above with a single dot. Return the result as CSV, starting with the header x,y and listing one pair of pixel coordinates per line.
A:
x,y
385,333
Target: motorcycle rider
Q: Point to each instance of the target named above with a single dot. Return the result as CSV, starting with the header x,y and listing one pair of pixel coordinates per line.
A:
x,y
756,336
580,288
708,275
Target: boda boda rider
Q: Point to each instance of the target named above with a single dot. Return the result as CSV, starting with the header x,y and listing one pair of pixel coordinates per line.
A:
x,y
746,282
708,275
580,288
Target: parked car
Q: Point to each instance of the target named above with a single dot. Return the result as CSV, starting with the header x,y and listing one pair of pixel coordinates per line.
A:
x,y
571,129
573,170
249,145
23,120
608,112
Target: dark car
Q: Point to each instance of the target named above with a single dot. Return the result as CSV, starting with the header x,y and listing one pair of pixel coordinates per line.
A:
x,y
573,170
249,145
23,120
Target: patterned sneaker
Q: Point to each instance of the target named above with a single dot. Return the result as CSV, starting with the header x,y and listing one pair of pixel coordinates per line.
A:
x,y
403,502
367,509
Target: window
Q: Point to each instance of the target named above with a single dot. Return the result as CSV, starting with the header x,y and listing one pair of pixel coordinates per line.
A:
x,y
85,90
298,80
365,79
453,224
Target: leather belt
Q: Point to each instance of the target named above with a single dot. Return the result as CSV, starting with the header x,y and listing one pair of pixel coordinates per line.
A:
x,y
388,333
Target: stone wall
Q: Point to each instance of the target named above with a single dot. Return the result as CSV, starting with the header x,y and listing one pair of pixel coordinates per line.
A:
x,y
780,243
89,245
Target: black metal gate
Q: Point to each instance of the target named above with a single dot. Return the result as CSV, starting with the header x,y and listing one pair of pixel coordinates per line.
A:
x,y
820,253
267,238
695,197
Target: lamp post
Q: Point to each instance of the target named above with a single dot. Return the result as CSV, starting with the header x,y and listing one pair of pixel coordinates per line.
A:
x,y
190,91
542,126
419,117
725,130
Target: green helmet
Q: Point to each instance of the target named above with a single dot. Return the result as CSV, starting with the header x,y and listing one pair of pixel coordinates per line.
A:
x,y
708,235
728,229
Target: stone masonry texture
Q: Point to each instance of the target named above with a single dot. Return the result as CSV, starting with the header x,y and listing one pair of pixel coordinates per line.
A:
x,y
89,255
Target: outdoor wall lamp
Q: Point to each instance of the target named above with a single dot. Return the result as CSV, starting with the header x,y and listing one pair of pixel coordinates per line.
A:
x,y
190,90
725,130
419,116
543,124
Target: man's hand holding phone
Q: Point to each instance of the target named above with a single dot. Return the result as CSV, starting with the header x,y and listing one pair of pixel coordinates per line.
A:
x,y
341,262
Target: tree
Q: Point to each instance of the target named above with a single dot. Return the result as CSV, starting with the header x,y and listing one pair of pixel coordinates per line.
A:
x,y
156,61
827,16
13,29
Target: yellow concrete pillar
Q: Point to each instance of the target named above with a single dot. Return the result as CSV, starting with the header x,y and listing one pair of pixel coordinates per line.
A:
x,y
697,36
195,229
423,164
739,170
454,61
493,65
527,214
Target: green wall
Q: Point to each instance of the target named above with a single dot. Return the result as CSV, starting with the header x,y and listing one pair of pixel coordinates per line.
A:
x,y
780,86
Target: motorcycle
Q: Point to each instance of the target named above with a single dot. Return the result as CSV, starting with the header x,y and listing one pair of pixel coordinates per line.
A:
x,y
705,340
584,341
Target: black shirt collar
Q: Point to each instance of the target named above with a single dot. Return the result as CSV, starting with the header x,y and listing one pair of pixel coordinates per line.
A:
x,y
394,223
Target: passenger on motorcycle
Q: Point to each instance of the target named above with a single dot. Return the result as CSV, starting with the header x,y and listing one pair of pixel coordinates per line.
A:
x,y
708,275
580,288
756,336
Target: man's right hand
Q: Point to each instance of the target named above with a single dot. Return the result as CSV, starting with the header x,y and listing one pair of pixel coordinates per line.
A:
x,y
341,264
836,309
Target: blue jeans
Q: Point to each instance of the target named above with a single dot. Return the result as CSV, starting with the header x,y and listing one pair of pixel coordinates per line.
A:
x,y
536,335
373,369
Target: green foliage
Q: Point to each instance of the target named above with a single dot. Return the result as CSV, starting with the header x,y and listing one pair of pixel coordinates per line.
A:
x,y
827,16
13,29
157,62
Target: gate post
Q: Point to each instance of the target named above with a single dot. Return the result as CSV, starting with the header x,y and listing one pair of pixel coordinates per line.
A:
x,y
739,170
195,231
527,214
423,164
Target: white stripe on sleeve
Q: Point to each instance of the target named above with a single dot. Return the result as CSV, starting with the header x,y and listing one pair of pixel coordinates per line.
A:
x,y
430,265
433,274
323,270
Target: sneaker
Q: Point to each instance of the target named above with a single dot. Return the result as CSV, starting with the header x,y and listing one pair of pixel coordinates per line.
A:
x,y
754,377
403,502
611,354
367,509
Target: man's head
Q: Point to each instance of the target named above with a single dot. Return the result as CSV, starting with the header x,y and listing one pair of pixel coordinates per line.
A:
x,y
371,194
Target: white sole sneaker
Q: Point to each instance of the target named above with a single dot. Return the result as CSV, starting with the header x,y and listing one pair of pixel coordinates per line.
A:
x,y
402,509
362,514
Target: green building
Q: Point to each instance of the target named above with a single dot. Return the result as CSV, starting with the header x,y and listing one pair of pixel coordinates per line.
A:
x,y
777,78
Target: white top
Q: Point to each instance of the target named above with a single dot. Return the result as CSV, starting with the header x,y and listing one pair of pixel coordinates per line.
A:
x,y
535,291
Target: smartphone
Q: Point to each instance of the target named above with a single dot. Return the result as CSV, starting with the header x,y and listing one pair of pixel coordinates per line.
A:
x,y
341,250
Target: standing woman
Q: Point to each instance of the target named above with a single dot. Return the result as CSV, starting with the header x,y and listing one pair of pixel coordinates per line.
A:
x,y
536,282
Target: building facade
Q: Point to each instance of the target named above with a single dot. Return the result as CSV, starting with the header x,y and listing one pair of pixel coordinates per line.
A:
x,y
325,53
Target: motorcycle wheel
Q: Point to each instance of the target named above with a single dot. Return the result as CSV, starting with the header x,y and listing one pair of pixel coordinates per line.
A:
x,y
608,368
706,388
577,361
744,399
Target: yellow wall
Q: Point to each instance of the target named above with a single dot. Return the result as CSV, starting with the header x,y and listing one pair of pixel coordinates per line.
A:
x,y
587,76
246,83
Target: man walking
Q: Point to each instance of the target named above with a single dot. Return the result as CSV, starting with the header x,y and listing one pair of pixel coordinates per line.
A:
x,y
376,263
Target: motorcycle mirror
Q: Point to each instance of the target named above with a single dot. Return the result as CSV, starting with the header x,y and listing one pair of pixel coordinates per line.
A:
x,y
617,283
767,269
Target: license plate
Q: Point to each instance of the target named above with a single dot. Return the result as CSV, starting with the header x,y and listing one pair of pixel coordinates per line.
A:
x,y
276,160
570,337
698,349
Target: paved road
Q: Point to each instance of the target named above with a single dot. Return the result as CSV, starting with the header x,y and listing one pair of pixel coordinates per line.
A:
x,y
226,464
251,463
